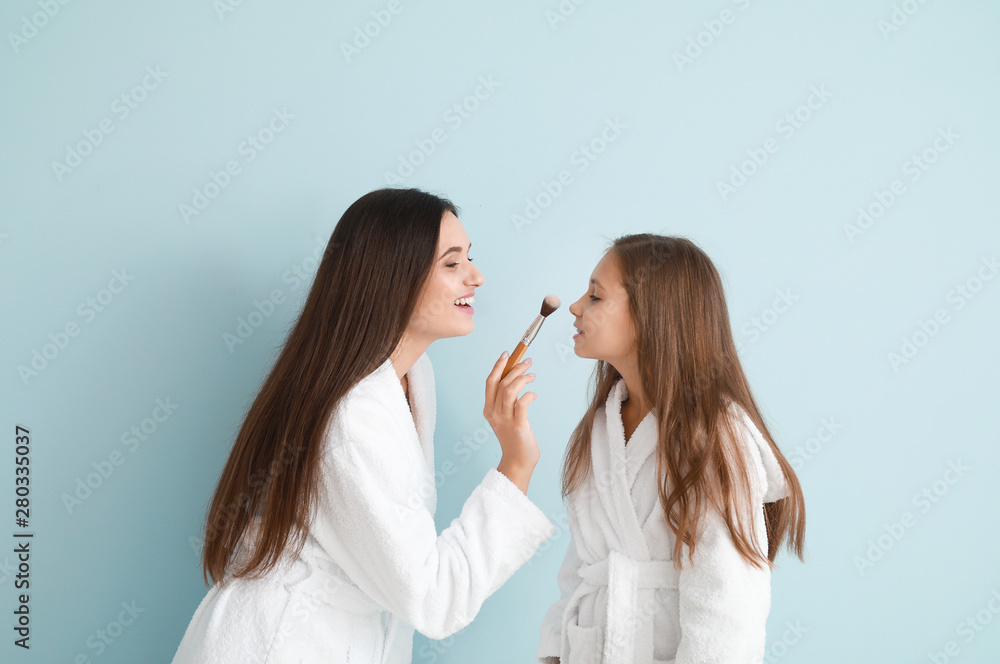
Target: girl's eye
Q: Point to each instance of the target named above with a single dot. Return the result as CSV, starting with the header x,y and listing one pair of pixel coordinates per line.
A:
x,y
454,264
595,299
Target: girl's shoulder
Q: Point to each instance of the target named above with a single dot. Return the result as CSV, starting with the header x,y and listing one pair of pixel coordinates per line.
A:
x,y
766,474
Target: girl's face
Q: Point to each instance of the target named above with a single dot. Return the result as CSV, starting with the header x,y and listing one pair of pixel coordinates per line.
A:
x,y
603,321
453,276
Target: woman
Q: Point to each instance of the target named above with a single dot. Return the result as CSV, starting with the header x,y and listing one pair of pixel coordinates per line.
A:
x,y
678,496
320,537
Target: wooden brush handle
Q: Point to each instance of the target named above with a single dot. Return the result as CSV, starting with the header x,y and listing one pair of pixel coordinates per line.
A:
x,y
515,357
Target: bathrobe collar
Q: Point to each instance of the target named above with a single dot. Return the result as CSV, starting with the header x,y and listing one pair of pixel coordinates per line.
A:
x,y
615,466
420,410
646,436
642,443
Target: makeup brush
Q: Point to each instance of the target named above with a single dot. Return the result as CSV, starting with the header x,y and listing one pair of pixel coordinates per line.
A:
x,y
549,304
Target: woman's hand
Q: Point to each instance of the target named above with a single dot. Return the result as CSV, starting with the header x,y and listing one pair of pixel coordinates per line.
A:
x,y
508,416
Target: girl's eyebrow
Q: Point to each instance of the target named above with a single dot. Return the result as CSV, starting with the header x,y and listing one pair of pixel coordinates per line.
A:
x,y
451,249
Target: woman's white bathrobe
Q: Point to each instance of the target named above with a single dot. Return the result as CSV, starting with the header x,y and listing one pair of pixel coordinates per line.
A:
x,y
373,567
622,601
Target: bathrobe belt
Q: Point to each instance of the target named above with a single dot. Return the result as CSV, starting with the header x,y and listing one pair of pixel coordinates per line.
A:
x,y
624,576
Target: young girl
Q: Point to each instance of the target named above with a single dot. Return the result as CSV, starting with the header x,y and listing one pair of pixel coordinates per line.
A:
x,y
678,497
321,538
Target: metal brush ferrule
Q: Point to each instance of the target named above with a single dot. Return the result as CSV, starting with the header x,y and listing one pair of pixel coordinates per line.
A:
x,y
532,330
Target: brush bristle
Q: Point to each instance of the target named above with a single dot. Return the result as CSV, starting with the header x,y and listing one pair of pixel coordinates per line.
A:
x,y
549,304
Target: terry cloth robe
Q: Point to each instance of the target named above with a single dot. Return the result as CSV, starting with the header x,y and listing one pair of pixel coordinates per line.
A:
x,y
373,566
621,600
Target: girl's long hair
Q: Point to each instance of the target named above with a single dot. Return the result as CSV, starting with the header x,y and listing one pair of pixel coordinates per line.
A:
x,y
361,300
690,373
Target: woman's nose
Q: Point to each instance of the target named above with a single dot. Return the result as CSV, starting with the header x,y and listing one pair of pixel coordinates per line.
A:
x,y
477,277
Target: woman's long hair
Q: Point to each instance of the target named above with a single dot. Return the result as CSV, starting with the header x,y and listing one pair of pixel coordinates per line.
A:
x,y
361,300
690,373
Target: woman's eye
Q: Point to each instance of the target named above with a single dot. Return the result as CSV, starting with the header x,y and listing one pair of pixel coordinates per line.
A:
x,y
595,299
454,264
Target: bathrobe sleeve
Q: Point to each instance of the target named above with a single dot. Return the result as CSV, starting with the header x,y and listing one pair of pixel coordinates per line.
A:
x,y
568,580
369,521
723,599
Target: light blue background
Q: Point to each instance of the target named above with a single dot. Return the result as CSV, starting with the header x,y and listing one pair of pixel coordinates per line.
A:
x,y
686,127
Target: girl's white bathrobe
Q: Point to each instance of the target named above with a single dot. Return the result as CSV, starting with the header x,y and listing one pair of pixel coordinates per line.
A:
x,y
622,601
373,567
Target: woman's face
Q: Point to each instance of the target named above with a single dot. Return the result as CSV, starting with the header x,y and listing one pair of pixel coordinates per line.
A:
x,y
603,321
453,276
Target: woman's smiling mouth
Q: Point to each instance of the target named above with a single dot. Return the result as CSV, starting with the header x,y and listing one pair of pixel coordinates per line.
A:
x,y
464,303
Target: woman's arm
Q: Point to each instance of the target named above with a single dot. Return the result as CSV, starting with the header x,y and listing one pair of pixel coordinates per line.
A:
x,y
508,417
371,523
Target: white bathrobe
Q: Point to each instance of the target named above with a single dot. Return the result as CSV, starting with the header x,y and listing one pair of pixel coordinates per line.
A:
x,y
622,601
373,567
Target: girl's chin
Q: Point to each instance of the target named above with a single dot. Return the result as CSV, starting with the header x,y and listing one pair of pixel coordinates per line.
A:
x,y
583,354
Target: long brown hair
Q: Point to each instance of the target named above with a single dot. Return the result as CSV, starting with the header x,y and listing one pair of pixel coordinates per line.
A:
x,y
690,375
361,300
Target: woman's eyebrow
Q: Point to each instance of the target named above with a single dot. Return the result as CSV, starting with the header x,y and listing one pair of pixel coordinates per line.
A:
x,y
451,249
